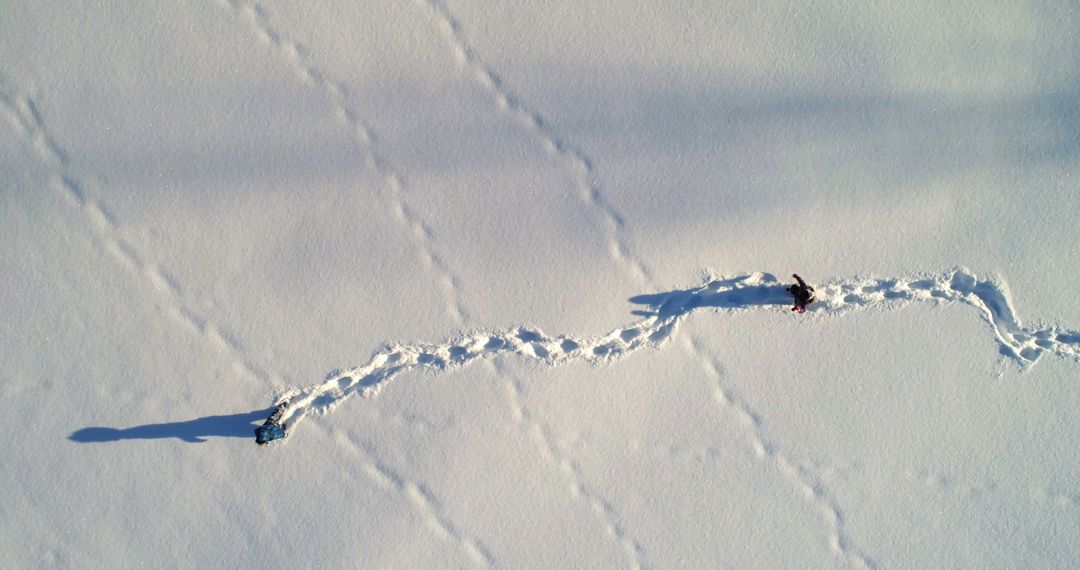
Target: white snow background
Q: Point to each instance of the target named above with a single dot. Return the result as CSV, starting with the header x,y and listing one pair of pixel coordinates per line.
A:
x,y
563,231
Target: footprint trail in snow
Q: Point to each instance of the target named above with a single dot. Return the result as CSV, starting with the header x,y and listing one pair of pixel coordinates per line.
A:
x,y
662,313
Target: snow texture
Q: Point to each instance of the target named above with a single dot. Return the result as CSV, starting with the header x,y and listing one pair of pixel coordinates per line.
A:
x,y
1024,345
206,206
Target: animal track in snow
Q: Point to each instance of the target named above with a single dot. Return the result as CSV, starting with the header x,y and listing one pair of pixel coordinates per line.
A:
x,y
811,486
422,500
29,121
662,315
583,167
950,484
541,435
337,92
1048,495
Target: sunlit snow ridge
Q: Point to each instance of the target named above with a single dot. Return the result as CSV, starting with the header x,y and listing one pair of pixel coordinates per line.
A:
x,y
662,313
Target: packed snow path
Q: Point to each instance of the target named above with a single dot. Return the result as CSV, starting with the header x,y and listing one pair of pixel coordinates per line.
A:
x,y
662,313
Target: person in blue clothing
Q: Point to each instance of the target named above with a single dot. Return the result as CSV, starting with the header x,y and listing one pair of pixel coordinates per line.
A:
x,y
803,293
272,428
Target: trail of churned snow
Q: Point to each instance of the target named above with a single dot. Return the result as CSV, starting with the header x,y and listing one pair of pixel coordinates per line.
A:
x,y
662,313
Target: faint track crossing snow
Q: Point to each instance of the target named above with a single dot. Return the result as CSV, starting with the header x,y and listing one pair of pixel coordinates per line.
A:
x,y
662,314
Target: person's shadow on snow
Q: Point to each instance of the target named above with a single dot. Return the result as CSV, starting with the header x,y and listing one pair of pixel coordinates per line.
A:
x,y
191,431
725,293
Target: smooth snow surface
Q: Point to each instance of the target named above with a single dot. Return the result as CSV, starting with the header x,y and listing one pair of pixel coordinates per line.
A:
x,y
565,230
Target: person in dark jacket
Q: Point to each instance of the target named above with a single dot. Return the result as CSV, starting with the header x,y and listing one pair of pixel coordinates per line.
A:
x,y
803,293
272,428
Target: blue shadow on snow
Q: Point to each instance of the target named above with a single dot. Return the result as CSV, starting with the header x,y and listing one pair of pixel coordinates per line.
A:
x,y
680,302
191,431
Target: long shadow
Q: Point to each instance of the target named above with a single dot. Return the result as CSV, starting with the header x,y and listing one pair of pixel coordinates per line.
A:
x,y
191,431
732,295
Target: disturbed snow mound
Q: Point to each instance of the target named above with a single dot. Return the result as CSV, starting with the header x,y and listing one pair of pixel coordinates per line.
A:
x,y
662,313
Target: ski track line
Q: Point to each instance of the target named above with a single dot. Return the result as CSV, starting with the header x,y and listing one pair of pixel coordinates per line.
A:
x,y
583,167
812,487
418,231
541,436
30,123
757,291
422,500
